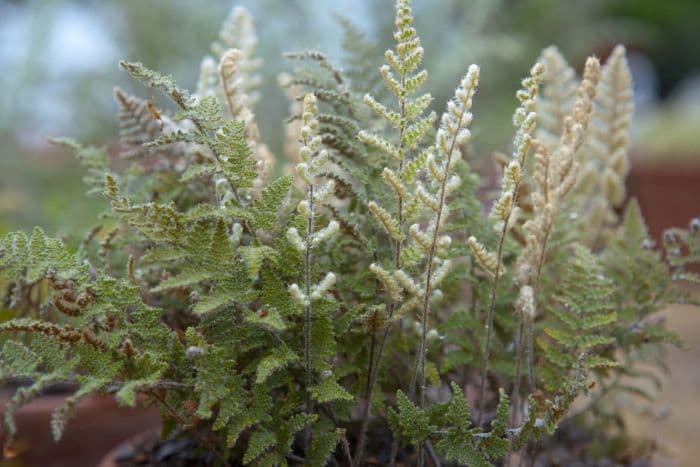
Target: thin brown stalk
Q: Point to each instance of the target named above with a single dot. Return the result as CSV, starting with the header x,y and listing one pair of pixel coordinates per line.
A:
x,y
489,316
425,315
207,441
518,370
307,317
528,342
374,367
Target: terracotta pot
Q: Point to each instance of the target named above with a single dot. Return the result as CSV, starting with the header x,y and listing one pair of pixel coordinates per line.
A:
x,y
669,194
98,425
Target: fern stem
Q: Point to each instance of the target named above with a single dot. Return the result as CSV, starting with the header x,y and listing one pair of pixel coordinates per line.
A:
x,y
425,315
374,373
372,344
207,441
433,455
372,382
491,312
521,342
530,325
518,370
374,368
307,315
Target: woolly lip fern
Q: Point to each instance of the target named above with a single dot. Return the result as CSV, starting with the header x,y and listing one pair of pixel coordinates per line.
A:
x,y
364,295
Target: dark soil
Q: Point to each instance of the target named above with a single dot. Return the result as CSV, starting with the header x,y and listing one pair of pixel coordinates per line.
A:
x,y
172,452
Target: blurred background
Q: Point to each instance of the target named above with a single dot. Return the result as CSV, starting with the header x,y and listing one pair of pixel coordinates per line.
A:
x,y
58,65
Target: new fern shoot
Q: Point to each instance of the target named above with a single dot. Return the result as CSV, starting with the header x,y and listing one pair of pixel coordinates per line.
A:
x,y
368,292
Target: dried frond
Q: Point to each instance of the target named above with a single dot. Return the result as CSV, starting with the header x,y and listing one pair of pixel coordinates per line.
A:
x,y
238,104
557,97
605,161
486,259
555,174
138,125
238,32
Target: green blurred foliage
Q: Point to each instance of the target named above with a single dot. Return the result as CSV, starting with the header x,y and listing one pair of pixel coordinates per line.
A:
x,y
671,35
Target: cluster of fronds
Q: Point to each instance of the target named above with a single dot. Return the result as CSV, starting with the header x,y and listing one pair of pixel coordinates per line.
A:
x,y
287,320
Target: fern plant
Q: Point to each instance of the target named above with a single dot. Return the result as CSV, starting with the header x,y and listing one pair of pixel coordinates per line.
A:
x,y
291,320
